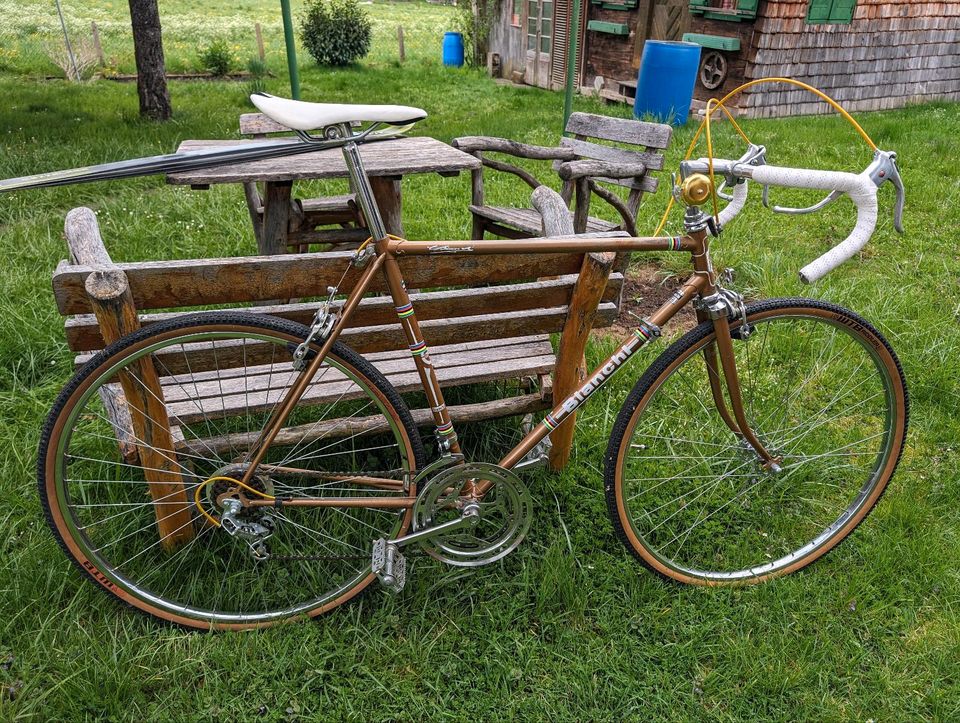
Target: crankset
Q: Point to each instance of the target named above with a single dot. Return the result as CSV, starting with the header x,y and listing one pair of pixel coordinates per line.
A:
x,y
505,513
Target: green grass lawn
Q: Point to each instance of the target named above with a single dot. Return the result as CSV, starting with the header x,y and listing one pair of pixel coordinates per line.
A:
x,y
568,627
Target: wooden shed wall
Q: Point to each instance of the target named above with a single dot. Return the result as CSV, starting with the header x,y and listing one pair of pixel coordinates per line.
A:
x,y
893,53
508,41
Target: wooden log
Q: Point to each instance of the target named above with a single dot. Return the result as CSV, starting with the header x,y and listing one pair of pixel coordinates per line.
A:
x,y
554,214
571,368
260,50
86,247
629,222
97,47
515,170
254,205
113,306
83,239
470,144
402,53
203,282
276,218
581,212
386,191
572,170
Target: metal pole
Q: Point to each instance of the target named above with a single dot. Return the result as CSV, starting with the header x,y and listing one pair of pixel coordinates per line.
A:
x,y
292,49
66,40
571,63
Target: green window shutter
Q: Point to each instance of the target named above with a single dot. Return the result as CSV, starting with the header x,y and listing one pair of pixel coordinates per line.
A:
x,y
819,11
747,6
842,11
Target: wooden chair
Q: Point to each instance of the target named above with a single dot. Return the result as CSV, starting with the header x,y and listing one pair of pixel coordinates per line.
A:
x,y
584,167
489,320
307,215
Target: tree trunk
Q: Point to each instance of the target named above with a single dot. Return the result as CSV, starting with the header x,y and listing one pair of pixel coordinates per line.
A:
x,y
148,49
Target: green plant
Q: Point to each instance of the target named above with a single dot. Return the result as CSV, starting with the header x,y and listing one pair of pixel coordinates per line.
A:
x,y
336,32
217,58
258,72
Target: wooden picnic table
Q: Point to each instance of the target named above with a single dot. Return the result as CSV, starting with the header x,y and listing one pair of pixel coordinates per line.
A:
x,y
386,163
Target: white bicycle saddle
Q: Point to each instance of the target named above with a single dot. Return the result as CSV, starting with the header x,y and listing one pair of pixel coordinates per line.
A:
x,y
302,116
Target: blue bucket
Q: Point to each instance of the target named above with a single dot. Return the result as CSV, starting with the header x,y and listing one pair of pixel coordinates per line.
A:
x,y
668,72
453,49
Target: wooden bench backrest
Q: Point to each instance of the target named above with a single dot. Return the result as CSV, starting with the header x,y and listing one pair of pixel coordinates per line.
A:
x,y
517,304
652,137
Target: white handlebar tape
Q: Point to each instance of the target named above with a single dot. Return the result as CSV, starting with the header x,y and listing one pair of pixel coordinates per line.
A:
x,y
736,205
860,188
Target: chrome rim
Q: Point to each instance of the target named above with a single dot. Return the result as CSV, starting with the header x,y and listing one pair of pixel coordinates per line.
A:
x,y
109,515
698,499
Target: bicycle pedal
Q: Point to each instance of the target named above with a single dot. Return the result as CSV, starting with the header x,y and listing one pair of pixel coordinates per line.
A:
x,y
389,565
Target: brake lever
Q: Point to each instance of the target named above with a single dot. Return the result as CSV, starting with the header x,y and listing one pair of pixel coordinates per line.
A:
x,y
884,168
830,198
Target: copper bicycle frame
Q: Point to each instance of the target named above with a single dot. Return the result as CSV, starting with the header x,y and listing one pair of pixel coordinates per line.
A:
x,y
701,283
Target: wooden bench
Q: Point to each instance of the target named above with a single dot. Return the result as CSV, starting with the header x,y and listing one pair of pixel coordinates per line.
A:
x,y
585,167
487,318
306,215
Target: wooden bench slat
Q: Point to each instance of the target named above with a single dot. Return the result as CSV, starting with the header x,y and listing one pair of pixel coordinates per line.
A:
x,y
205,384
200,282
357,427
624,130
528,219
201,356
83,333
231,395
652,161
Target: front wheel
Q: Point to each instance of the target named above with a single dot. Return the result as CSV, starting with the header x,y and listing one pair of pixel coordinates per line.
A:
x,y
824,393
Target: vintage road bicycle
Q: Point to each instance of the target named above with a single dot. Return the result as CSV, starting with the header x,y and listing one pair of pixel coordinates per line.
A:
x,y
748,449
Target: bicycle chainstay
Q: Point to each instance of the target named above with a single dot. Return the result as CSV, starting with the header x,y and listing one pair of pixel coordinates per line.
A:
x,y
382,474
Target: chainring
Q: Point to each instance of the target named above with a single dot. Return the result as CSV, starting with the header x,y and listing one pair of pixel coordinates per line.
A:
x,y
506,511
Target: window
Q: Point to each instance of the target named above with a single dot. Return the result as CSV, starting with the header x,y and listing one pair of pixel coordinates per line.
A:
x,y
517,10
831,11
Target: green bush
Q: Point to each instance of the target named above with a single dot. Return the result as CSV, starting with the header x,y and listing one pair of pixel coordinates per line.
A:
x,y
335,32
216,58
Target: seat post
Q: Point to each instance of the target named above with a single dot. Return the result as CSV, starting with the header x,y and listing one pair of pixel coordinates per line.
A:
x,y
371,212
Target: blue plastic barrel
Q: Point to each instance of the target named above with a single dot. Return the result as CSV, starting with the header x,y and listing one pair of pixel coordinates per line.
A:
x,y
453,49
668,72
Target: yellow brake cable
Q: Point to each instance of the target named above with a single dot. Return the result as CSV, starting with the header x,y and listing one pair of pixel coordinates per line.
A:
x,y
704,128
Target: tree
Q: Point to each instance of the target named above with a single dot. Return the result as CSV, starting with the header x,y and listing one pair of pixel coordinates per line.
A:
x,y
148,49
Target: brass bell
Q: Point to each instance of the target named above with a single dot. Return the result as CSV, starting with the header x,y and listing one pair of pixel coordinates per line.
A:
x,y
695,189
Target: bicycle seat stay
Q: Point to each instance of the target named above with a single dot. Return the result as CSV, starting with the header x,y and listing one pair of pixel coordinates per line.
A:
x,y
303,116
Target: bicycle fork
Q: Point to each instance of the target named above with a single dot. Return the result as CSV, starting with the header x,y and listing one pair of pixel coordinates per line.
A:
x,y
717,305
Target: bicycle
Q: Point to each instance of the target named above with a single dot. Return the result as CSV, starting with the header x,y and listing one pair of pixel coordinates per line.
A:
x,y
748,449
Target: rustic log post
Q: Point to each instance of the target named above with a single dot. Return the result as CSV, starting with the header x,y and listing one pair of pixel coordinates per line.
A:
x,y
97,47
260,51
581,212
571,367
403,55
276,218
112,304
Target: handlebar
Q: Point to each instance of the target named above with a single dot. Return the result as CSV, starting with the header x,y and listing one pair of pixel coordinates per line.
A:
x,y
860,187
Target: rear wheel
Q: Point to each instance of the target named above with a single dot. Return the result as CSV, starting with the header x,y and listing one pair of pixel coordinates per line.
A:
x,y
221,376
824,393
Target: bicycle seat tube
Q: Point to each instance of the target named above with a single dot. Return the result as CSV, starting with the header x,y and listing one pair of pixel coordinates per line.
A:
x,y
368,204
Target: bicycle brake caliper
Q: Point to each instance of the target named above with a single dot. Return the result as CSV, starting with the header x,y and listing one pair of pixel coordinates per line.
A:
x,y
320,328
726,302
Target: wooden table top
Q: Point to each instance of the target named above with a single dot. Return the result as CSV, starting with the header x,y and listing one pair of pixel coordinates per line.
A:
x,y
396,157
